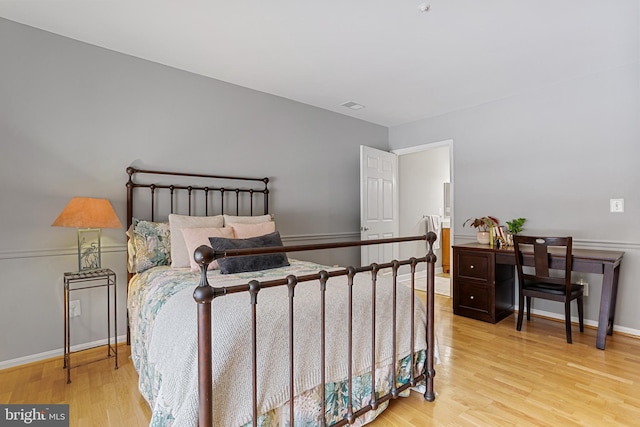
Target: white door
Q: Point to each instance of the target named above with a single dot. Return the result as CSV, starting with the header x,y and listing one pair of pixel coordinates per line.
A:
x,y
378,203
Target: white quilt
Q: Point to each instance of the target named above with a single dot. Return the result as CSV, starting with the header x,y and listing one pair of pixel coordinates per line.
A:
x,y
164,343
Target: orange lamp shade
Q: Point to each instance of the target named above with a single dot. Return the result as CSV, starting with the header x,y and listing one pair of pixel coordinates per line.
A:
x,y
87,212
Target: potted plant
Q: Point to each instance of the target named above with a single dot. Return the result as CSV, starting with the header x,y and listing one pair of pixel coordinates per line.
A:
x,y
482,224
514,226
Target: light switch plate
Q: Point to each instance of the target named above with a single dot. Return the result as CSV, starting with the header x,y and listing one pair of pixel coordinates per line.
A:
x,y
616,205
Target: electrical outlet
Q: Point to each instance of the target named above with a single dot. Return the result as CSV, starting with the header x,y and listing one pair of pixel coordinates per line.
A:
x,y
585,290
74,308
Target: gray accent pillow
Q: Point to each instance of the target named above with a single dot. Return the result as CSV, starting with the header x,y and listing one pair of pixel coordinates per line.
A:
x,y
242,264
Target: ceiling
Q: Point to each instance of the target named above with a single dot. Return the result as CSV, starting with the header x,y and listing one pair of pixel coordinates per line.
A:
x,y
403,64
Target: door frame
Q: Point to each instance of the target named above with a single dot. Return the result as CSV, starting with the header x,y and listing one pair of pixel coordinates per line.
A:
x,y
430,146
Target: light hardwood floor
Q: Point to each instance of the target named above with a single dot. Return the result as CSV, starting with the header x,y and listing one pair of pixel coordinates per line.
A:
x,y
490,375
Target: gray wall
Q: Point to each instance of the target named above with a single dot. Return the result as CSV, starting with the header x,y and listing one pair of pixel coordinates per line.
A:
x,y
74,116
554,155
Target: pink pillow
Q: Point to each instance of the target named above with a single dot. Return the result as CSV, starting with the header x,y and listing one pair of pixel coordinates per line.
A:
x,y
179,256
246,231
195,237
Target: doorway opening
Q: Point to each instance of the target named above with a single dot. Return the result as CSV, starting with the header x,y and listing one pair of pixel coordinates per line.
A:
x,y
425,190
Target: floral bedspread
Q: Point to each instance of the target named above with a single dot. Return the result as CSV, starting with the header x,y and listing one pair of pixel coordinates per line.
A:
x,y
150,292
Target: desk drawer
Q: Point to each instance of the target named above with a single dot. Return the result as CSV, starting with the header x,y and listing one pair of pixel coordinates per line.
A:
x,y
473,300
475,266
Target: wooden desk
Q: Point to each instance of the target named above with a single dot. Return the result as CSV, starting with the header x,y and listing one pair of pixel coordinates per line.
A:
x,y
490,277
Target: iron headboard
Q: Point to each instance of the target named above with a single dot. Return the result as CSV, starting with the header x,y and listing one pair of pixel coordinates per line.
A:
x,y
202,196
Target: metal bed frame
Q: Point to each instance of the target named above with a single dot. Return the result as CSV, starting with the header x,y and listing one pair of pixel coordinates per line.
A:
x,y
204,293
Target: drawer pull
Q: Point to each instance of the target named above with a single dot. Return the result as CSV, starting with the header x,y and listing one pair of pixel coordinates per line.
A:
x,y
472,267
471,297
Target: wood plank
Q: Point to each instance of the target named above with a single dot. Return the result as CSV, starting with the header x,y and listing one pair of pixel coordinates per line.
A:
x,y
489,375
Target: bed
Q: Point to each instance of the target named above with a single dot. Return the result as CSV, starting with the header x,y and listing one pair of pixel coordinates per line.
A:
x,y
239,332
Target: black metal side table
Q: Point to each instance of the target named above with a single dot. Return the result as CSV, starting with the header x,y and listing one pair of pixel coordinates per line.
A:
x,y
78,280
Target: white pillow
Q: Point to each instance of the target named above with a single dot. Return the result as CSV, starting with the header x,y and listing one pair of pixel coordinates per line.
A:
x,y
246,231
196,237
180,257
231,219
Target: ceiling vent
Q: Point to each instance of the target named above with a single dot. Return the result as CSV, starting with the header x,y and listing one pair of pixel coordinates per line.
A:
x,y
353,105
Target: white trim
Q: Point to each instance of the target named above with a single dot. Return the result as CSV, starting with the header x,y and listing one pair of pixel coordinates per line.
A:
x,y
55,353
422,147
343,236
574,319
421,274
605,244
577,243
429,146
39,253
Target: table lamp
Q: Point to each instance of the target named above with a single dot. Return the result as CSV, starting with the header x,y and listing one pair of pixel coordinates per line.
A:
x,y
89,216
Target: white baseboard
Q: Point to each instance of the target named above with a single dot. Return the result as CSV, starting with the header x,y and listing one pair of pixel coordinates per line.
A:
x,y
587,322
419,274
55,353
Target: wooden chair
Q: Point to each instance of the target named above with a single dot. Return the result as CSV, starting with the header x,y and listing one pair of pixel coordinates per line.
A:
x,y
537,283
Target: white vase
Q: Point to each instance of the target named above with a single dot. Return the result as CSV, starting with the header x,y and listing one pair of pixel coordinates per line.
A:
x,y
483,237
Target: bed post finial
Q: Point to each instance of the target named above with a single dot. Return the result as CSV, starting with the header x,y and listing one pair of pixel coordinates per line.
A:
x,y
431,239
203,256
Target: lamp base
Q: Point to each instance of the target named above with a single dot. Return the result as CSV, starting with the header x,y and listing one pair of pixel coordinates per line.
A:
x,y
89,250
